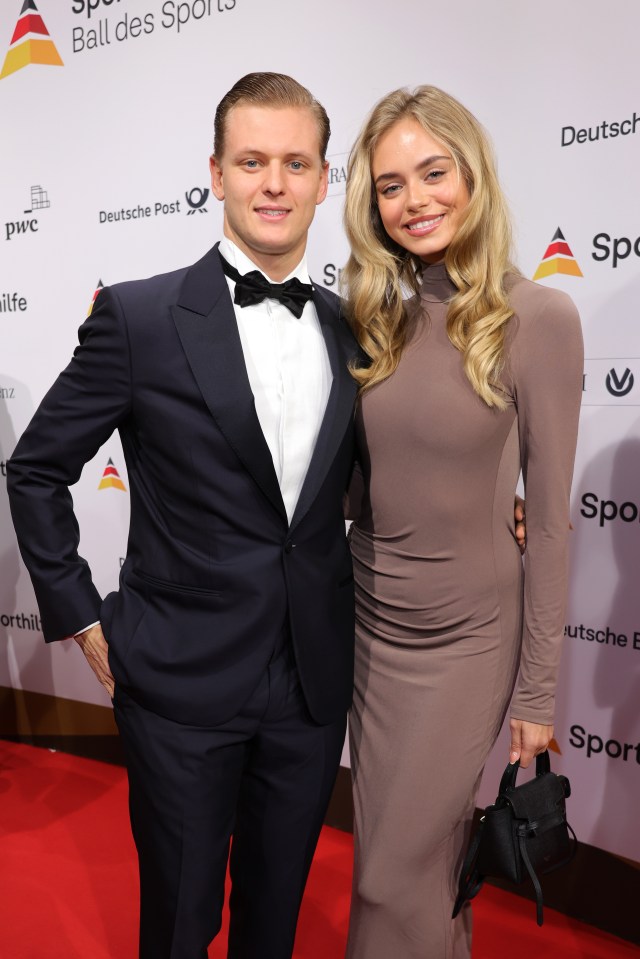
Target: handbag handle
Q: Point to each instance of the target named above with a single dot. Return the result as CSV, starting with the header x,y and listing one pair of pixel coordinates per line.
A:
x,y
508,781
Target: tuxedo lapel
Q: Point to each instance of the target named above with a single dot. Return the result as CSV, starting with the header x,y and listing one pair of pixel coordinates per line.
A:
x,y
339,412
207,327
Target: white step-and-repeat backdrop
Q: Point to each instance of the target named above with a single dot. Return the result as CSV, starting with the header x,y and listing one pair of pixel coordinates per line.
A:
x,y
106,113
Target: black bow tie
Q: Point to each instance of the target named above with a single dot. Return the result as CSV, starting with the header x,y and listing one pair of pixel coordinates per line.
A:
x,y
253,288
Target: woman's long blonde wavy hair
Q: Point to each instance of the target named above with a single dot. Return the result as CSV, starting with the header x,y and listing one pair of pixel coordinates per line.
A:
x,y
477,259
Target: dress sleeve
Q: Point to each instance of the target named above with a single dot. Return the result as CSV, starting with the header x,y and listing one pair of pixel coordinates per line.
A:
x,y
547,366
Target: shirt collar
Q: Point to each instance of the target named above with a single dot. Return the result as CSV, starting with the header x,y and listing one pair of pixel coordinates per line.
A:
x,y
234,255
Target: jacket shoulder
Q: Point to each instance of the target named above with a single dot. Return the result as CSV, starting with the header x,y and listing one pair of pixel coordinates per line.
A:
x,y
331,299
165,287
148,297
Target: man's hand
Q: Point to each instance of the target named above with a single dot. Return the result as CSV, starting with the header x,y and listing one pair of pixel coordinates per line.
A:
x,y
94,646
527,740
521,530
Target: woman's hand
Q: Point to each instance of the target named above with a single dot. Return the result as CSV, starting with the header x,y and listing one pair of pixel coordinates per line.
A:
x,y
527,740
520,521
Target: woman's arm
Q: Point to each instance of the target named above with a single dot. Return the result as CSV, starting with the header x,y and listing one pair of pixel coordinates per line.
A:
x,y
547,366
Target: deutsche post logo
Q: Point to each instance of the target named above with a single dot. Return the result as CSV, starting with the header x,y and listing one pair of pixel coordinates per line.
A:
x,y
558,258
30,43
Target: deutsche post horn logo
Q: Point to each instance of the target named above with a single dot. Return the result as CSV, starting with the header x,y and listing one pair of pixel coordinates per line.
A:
x,y
196,199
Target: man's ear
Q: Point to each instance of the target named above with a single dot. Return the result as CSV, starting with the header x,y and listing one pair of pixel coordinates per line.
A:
x,y
217,187
323,186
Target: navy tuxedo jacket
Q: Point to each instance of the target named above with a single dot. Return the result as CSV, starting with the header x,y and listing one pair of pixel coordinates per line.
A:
x,y
214,571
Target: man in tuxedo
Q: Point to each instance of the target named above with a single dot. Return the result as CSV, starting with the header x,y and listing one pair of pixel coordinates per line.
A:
x,y
228,646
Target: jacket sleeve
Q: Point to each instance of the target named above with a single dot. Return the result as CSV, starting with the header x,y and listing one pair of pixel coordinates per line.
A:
x,y
88,401
548,368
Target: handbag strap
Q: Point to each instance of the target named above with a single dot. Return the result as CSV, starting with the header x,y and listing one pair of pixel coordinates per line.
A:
x,y
555,820
508,781
552,819
470,882
522,843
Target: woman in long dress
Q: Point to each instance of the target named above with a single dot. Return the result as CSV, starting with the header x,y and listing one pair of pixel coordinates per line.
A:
x,y
474,379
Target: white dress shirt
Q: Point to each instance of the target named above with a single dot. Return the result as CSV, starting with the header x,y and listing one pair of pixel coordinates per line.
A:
x,y
289,374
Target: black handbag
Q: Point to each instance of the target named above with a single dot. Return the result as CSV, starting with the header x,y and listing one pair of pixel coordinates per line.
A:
x,y
524,833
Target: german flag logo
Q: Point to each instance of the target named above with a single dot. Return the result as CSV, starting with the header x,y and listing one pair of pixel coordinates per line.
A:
x,y
99,287
111,478
558,259
30,43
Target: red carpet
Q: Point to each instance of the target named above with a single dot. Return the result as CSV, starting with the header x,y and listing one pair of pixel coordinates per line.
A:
x,y
68,883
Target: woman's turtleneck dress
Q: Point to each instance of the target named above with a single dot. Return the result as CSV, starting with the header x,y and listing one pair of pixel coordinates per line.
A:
x,y
449,619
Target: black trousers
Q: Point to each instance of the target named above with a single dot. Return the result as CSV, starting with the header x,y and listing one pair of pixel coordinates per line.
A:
x,y
265,778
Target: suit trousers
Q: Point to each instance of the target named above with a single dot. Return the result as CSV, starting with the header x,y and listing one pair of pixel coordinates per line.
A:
x,y
264,778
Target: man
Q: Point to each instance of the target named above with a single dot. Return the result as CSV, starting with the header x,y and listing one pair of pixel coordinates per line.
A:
x,y
228,646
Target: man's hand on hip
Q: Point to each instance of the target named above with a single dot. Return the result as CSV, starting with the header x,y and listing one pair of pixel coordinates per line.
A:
x,y
94,646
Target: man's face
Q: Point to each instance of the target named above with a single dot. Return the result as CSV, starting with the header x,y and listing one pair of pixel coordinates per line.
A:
x,y
271,178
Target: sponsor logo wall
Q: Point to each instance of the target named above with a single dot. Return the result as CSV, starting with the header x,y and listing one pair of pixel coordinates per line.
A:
x,y
108,111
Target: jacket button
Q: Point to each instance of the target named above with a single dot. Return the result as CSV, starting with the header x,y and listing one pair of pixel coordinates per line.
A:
x,y
288,546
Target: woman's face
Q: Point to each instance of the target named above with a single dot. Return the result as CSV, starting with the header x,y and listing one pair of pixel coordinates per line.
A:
x,y
420,195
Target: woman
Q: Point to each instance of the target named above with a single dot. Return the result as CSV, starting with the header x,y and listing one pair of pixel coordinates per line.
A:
x,y
475,378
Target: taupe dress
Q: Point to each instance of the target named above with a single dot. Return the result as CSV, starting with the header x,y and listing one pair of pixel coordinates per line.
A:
x,y
446,615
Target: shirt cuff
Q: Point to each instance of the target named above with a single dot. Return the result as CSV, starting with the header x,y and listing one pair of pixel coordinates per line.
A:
x,y
84,629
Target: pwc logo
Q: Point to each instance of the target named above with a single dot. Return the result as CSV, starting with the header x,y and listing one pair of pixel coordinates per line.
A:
x,y
39,202
30,43
558,258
